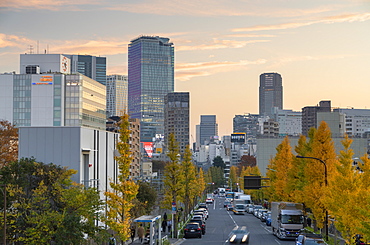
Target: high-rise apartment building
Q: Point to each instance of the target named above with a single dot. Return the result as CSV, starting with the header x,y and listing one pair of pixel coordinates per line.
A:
x,y
90,66
270,93
52,99
177,118
207,129
290,122
357,121
117,92
150,79
309,115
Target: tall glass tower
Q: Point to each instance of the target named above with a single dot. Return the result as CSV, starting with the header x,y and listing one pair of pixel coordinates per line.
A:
x,y
150,79
270,94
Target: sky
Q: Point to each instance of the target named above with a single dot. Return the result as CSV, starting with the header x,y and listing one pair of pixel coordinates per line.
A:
x,y
321,48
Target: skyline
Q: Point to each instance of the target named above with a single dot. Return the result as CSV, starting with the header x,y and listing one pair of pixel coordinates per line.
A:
x,y
320,48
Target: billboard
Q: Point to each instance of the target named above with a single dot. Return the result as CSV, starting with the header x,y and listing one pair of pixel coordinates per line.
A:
x,y
148,147
238,137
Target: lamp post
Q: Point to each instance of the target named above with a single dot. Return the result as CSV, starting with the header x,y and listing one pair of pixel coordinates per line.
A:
x,y
326,184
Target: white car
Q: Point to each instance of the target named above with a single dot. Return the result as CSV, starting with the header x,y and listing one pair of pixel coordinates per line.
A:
x,y
209,200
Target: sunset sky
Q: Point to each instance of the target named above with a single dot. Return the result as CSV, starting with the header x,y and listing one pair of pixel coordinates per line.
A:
x,y
320,47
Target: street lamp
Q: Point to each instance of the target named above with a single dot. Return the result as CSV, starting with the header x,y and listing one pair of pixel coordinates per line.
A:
x,y
326,184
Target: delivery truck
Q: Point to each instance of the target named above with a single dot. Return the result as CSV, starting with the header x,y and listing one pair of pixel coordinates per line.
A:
x,y
287,219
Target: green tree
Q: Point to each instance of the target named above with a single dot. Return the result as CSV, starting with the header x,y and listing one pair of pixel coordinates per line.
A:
x,y
8,143
120,199
219,162
321,147
279,166
190,180
174,177
45,205
217,176
145,200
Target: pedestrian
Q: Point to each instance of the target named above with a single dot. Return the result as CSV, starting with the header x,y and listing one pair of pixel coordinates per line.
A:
x,y
309,222
141,233
169,224
165,216
164,224
133,231
112,240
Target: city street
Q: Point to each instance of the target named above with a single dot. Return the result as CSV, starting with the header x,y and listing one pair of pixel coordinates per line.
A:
x,y
221,222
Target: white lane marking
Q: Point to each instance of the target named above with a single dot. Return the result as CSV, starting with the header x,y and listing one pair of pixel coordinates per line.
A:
x,y
277,241
232,218
266,229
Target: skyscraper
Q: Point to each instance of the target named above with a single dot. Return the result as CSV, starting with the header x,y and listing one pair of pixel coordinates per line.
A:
x,y
207,129
116,95
177,118
90,66
270,93
150,79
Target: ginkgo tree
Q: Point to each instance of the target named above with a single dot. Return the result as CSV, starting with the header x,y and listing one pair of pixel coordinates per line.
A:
x,y
120,198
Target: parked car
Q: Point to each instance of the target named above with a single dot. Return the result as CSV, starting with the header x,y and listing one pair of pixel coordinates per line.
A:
x,y
203,211
256,208
239,235
192,230
264,216
268,218
203,205
200,213
209,201
250,208
310,239
260,212
201,223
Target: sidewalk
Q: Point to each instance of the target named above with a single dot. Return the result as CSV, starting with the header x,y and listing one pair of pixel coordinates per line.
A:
x,y
173,241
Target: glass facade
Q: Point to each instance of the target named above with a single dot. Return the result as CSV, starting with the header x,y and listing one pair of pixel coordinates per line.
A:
x,y
90,66
85,102
270,94
22,100
150,79
116,95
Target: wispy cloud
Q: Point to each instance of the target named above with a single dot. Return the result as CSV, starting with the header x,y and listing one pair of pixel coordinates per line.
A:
x,y
329,20
9,41
170,8
218,44
186,71
293,59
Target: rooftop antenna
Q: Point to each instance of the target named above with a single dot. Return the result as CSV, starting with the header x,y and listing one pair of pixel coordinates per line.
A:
x,y
30,49
37,46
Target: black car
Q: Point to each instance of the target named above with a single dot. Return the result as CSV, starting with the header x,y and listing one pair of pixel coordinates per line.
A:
x,y
202,205
239,235
192,230
201,223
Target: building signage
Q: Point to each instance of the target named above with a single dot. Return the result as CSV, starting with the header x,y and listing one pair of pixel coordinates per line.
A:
x,y
148,147
238,137
44,80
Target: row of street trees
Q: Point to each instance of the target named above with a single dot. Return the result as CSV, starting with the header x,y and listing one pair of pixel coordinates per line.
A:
x,y
183,181
44,205
346,197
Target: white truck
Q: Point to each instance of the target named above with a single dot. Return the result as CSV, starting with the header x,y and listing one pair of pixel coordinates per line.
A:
x,y
287,219
221,192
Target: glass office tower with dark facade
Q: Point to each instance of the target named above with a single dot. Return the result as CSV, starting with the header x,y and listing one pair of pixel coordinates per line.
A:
x,y
90,66
150,79
270,94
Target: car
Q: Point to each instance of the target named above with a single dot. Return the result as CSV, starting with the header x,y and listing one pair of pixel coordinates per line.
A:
x,y
204,211
239,235
250,208
202,205
226,202
310,239
209,200
260,212
239,209
268,218
256,208
200,213
264,216
229,207
201,223
192,229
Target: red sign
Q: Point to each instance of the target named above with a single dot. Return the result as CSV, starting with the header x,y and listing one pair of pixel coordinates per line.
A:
x,y
148,147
